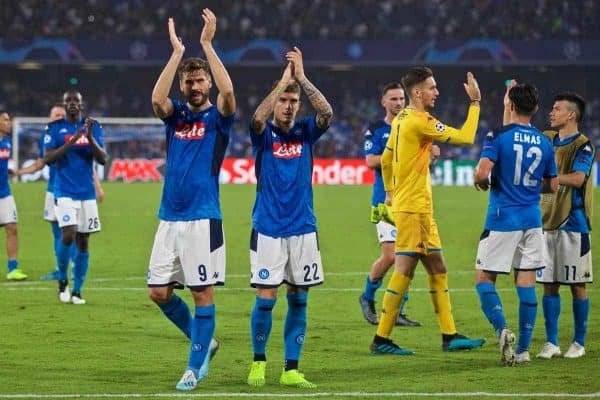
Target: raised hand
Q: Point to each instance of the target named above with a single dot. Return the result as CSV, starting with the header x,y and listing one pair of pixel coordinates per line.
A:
x,y
89,127
509,85
176,42
210,26
472,88
295,58
288,74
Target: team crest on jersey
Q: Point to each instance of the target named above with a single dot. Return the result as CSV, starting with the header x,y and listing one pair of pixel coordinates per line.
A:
x,y
82,141
4,154
440,127
287,150
193,131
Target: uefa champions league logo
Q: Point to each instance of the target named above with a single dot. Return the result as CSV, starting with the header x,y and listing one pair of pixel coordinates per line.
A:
x,y
66,218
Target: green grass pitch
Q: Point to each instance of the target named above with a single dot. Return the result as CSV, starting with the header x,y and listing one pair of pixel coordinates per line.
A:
x,y
119,344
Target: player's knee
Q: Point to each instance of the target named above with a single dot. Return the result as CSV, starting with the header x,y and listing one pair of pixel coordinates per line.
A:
x,y
11,230
159,295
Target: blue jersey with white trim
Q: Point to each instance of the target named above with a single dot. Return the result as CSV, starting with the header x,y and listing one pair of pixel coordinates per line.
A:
x,y
522,158
74,170
5,156
196,143
376,138
283,166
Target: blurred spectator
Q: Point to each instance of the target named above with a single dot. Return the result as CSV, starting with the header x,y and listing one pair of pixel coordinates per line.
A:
x,y
354,94
318,19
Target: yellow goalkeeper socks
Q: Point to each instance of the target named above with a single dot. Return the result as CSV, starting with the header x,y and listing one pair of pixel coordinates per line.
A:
x,y
397,288
440,298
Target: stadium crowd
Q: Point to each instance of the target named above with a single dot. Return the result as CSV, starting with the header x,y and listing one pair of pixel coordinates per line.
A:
x,y
355,102
319,19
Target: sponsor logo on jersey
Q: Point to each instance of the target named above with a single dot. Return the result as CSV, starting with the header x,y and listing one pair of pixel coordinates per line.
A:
x,y
4,154
287,150
82,141
193,131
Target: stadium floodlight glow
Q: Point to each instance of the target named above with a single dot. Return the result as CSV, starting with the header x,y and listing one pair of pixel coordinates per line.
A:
x,y
30,65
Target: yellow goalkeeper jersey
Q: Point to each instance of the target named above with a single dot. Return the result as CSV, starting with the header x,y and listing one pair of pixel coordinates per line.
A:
x,y
405,160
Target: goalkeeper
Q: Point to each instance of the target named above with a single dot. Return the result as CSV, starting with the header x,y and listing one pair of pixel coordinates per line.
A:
x,y
376,136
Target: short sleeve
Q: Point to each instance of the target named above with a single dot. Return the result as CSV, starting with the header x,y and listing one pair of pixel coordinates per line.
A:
x,y
98,133
172,119
312,131
584,159
225,123
372,142
49,139
489,148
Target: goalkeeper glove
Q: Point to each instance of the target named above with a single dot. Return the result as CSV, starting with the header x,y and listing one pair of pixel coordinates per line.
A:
x,y
385,213
375,217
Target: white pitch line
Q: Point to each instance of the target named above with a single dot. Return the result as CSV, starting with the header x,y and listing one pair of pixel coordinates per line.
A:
x,y
297,395
236,289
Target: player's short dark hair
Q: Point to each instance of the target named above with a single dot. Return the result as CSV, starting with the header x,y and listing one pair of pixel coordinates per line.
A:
x,y
525,97
193,64
414,76
293,87
4,112
391,86
577,100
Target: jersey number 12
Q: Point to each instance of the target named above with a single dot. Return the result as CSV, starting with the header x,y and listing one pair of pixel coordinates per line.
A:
x,y
533,152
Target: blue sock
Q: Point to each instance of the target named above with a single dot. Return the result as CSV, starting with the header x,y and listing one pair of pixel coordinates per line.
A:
x,y
177,311
73,253
62,259
295,326
404,300
12,265
581,309
527,314
260,324
202,329
491,305
370,289
56,234
81,263
551,307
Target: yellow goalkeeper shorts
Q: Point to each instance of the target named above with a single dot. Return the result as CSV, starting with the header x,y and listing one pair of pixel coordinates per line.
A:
x,y
417,233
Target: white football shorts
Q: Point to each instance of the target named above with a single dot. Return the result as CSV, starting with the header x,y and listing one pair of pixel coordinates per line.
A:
x,y
83,213
386,232
49,207
190,253
8,210
568,258
498,251
295,260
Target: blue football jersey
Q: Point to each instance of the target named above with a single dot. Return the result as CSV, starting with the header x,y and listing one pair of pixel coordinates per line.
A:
x,y
376,138
196,144
5,155
74,171
51,167
522,158
284,163
584,159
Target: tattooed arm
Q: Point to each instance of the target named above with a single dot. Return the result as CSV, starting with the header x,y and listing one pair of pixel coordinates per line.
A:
x,y
318,101
265,108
